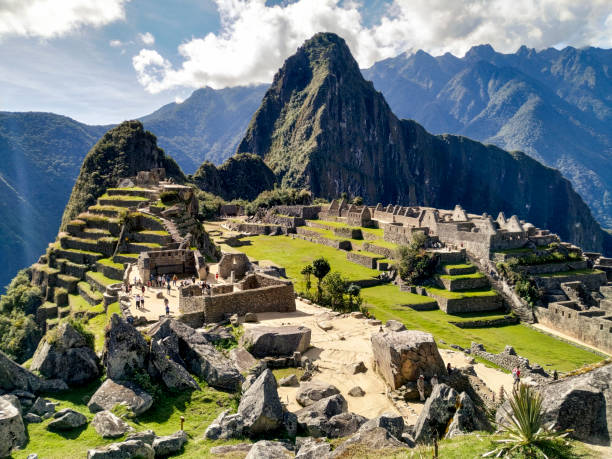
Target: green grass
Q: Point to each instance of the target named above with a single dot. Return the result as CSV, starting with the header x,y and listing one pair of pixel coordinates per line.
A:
x,y
90,292
131,188
577,272
459,266
122,197
157,233
78,304
97,325
294,254
130,255
110,263
281,373
101,278
151,245
86,252
385,301
462,276
384,244
106,207
461,294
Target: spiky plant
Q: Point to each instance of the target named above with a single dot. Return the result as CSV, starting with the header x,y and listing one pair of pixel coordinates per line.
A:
x,y
523,427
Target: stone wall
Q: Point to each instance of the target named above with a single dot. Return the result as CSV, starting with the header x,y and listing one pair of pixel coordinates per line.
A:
x,y
156,262
475,242
383,251
255,228
306,212
237,262
553,267
591,281
594,329
464,283
487,323
468,304
509,359
349,233
362,259
335,243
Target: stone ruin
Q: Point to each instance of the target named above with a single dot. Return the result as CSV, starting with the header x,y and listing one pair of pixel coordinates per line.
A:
x,y
178,261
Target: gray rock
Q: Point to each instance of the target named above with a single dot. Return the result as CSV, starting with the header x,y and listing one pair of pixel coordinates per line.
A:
x,y
314,419
67,419
290,423
125,351
217,333
42,406
313,449
438,410
266,449
356,368
374,322
369,441
325,325
403,356
145,436
125,450
12,430
108,425
170,444
13,400
14,377
391,422
111,393
32,418
357,315
264,341
290,380
174,376
250,317
260,406
242,358
582,403
313,391
221,451
395,326
356,392
32,456
467,418
200,357
225,426
344,424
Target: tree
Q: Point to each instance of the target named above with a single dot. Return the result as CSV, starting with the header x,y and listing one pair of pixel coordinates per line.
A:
x,y
334,288
416,264
358,201
320,269
354,292
307,272
344,195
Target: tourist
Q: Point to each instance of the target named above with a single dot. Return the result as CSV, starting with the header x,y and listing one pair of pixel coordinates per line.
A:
x,y
434,381
166,303
449,369
217,277
516,376
174,279
193,279
137,301
168,287
555,375
130,320
143,290
159,281
421,387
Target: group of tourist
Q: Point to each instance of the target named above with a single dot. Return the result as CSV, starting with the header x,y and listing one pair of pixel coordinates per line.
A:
x,y
434,381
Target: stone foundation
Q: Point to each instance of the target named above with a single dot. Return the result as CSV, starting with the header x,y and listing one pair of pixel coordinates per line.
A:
x,y
362,259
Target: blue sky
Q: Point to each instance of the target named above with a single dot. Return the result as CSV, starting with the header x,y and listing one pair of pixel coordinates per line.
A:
x,y
102,61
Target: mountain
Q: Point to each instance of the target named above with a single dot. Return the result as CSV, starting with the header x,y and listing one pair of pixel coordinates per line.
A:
x,y
206,126
321,125
40,156
555,105
120,153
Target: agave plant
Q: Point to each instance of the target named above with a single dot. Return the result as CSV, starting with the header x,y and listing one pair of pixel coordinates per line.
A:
x,y
523,427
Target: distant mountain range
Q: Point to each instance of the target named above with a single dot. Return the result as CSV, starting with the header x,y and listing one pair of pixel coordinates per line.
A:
x,y
554,105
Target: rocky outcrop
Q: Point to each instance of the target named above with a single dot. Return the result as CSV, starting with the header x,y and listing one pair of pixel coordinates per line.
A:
x,y
198,355
125,350
344,424
467,418
127,449
314,419
170,444
371,441
64,354
67,419
12,430
403,356
112,393
174,375
108,425
312,448
391,422
264,341
14,377
395,326
313,391
290,380
260,406
225,426
266,449
242,358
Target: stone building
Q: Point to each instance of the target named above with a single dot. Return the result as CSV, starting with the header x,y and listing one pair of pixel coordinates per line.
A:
x,y
178,261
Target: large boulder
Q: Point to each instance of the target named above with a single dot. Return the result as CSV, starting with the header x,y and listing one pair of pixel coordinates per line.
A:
x,y
372,442
108,425
264,341
260,406
230,450
312,391
126,351
198,355
582,403
67,419
170,444
344,424
124,450
243,359
265,449
111,393
64,354
314,419
393,423
467,418
403,356
312,448
436,414
174,375
225,426
13,377
12,430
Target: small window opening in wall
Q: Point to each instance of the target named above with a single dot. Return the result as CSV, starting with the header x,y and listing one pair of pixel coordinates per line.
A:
x,y
569,316
563,313
600,326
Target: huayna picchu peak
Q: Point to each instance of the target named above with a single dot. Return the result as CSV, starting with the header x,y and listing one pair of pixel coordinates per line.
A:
x,y
321,125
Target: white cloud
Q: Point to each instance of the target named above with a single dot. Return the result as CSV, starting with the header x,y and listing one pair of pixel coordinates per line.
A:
x,y
54,18
147,38
115,43
255,39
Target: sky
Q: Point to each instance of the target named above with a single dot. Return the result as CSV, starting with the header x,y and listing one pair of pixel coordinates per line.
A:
x,y
103,61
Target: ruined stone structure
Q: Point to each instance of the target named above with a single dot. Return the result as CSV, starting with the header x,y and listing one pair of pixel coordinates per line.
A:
x,y
237,263
179,261
354,215
255,293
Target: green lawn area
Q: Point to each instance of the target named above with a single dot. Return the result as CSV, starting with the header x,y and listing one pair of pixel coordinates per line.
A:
x,y
461,294
462,276
157,233
101,278
294,254
576,272
122,197
97,324
459,266
384,302
110,263
78,304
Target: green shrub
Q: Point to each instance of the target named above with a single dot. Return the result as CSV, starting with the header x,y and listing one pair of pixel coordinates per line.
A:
x,y
169,197
80,327
19,335
143,379
416,265
20,295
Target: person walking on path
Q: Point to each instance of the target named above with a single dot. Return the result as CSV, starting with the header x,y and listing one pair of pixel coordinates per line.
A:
x,y
174,279
421,387
166,303
434,381
516,376
168,287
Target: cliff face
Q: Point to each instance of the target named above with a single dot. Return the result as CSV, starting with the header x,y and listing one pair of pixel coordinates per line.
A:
x,y
321,125
120,153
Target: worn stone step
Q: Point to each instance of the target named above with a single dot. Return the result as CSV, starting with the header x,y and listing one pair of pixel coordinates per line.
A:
x,y
79,256
99,281
456,270
67,282
72,269
126,258
90,295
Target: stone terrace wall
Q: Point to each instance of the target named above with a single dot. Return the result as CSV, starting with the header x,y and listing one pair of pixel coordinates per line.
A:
x,y
591,281
350,233
596,330
382,251
362,259
307,212
476,243
469,304
553,267
318,239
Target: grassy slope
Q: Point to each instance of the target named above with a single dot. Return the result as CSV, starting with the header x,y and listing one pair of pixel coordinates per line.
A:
x,y
385,300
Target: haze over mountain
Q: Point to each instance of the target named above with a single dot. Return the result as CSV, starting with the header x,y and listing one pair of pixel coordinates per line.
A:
x,y
555,105
322,126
